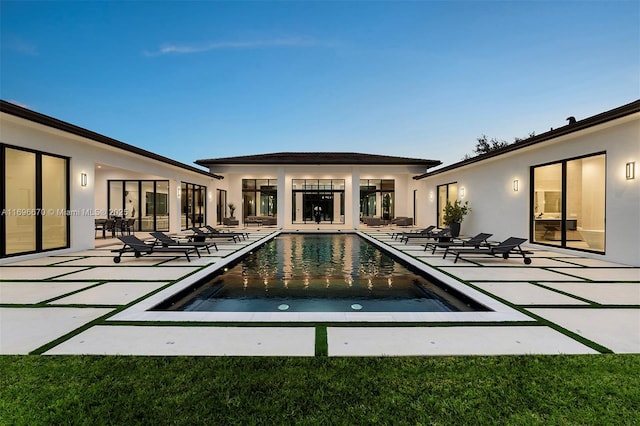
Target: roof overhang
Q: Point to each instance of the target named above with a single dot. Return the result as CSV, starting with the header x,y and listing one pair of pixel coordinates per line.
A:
x,y
319,158
614,114
45,120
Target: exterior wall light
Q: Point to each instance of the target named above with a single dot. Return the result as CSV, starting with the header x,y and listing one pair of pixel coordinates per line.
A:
x,y
83,179
630,170
179,192
516,185
462,192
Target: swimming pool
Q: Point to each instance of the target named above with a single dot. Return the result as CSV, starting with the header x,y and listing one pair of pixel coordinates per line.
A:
x,y
319,273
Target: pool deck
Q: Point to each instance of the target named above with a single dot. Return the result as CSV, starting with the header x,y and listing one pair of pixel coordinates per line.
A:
x,y
84,303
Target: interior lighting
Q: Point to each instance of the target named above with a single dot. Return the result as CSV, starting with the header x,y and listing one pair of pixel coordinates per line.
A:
x,y
83,179
516,185
630,170
462,192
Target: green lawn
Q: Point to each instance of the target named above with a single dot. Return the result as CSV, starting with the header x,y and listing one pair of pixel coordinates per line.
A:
x,y
594,389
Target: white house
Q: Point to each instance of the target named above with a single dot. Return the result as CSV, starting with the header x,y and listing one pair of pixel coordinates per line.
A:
x,y
570,189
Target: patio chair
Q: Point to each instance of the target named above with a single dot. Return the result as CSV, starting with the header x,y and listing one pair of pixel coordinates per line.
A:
x,y
100,225
200,235
475,241
440,235
127,226
213,230
400,234
135,245
166,241
509,246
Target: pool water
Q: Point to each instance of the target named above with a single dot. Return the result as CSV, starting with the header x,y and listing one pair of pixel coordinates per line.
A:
x,y
319,273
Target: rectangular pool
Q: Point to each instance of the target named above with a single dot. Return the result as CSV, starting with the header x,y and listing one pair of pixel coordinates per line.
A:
x,y
319,273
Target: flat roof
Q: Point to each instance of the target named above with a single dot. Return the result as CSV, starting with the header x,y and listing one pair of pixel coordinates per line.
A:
x,y
320,158
45,120
619,112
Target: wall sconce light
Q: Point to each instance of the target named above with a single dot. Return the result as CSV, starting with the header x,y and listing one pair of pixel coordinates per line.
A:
x,y
516,185
462,192
83,179
179,192
630,170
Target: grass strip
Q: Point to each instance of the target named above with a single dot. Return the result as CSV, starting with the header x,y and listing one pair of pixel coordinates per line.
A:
x,y
322,344
535,390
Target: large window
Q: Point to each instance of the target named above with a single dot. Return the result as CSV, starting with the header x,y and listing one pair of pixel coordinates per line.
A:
x,y
35,201
447,193
145,201
568,203
194,209
259,197
318,200
377,198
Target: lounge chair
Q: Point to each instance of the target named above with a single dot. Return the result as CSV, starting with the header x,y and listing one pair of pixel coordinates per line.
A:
x,y
135,245
476,242
200,235
166,241
213,230
401,234
437,235
509,246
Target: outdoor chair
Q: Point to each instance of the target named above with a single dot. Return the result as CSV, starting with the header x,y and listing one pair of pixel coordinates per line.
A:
x,y
100,225
509,246
441,235
135,245
127,226
213,230
200,235
400,234
166,241
475,242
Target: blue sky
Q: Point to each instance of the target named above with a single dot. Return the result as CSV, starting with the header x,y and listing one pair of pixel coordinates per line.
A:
x,y
424,79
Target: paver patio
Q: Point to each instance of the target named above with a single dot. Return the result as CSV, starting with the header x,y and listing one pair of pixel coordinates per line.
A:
x,y
46,298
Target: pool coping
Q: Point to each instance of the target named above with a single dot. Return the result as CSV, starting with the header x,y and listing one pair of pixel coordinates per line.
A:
x,y
141,311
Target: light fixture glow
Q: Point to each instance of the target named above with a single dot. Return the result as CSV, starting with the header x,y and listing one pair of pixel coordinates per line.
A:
x,y
630,170
83,179
179,192
462,192
516,185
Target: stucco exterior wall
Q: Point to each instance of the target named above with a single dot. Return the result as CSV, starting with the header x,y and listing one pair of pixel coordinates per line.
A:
x,y
404,184
84,154
499,210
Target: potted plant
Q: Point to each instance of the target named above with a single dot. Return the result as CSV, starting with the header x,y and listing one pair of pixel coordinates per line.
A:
x,y
453,215
232,209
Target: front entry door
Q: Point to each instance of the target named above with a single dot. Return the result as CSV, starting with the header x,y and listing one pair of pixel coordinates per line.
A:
x,y
318,206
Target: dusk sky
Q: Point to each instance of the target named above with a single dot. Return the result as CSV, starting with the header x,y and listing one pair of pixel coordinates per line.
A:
x,y
423,79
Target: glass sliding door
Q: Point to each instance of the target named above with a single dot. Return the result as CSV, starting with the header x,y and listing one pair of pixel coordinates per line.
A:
x,y
145,202
568,206
547,204
447,193
34,201
318,200
377,198
54,199
20,194
221,206
193,205
259,198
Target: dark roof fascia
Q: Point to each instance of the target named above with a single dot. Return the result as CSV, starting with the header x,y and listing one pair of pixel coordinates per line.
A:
x,y
318,158
45,120
595,120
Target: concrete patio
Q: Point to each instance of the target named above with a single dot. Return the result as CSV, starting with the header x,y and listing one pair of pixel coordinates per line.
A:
x,y
76,303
